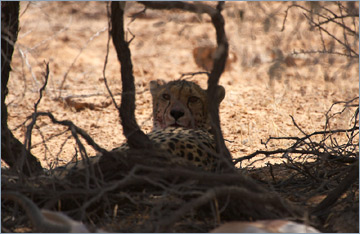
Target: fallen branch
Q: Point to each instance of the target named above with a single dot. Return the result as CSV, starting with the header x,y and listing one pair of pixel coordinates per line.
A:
x,y
334,195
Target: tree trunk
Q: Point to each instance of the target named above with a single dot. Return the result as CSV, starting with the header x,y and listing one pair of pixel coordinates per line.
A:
x,y
13,152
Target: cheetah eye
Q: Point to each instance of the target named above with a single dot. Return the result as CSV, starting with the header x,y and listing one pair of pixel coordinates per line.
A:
x,y
193,99
166,96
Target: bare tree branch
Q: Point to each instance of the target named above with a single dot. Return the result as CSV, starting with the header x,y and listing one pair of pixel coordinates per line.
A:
x,y
136,138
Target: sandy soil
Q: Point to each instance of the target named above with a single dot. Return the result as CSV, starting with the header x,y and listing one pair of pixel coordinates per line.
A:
x,y
262,87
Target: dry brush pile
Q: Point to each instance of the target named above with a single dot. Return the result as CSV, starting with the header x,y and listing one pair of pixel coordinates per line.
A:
x,y
143,191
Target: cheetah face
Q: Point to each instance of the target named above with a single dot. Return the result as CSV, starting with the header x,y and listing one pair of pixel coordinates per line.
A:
x,y
181,103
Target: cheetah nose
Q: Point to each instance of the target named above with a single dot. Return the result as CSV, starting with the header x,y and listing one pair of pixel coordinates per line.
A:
x,y
176,114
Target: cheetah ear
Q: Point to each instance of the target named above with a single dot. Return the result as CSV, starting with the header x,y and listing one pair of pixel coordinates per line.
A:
x,y
155,84
220,93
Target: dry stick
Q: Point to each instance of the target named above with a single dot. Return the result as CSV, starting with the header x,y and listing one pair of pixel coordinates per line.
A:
x,y
135,16
298,141
192,74
84,157
39,222
195,8
204,177
27,141
107,55
334,195
49,138
342,24
47,150
356,121
302,131
312,12
136,138
252,198
327,20
350,50
322,52
126,181
137,177
76,58
74,131
129,180
346,104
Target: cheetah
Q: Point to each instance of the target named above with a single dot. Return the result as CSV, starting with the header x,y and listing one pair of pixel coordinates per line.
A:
x,y
181,121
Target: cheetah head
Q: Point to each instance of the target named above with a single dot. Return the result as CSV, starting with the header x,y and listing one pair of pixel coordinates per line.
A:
x,y
181,103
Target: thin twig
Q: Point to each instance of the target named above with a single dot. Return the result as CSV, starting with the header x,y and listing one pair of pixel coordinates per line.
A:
x,y
98,33
107,55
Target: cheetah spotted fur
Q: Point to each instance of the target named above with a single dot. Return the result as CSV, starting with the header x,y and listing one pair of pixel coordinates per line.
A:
x,y
181,122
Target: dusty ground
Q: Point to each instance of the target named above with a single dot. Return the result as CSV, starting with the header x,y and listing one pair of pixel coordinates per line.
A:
x,y
262,90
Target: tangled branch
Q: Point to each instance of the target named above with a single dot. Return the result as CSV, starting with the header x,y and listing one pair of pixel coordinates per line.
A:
x,y
325,17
